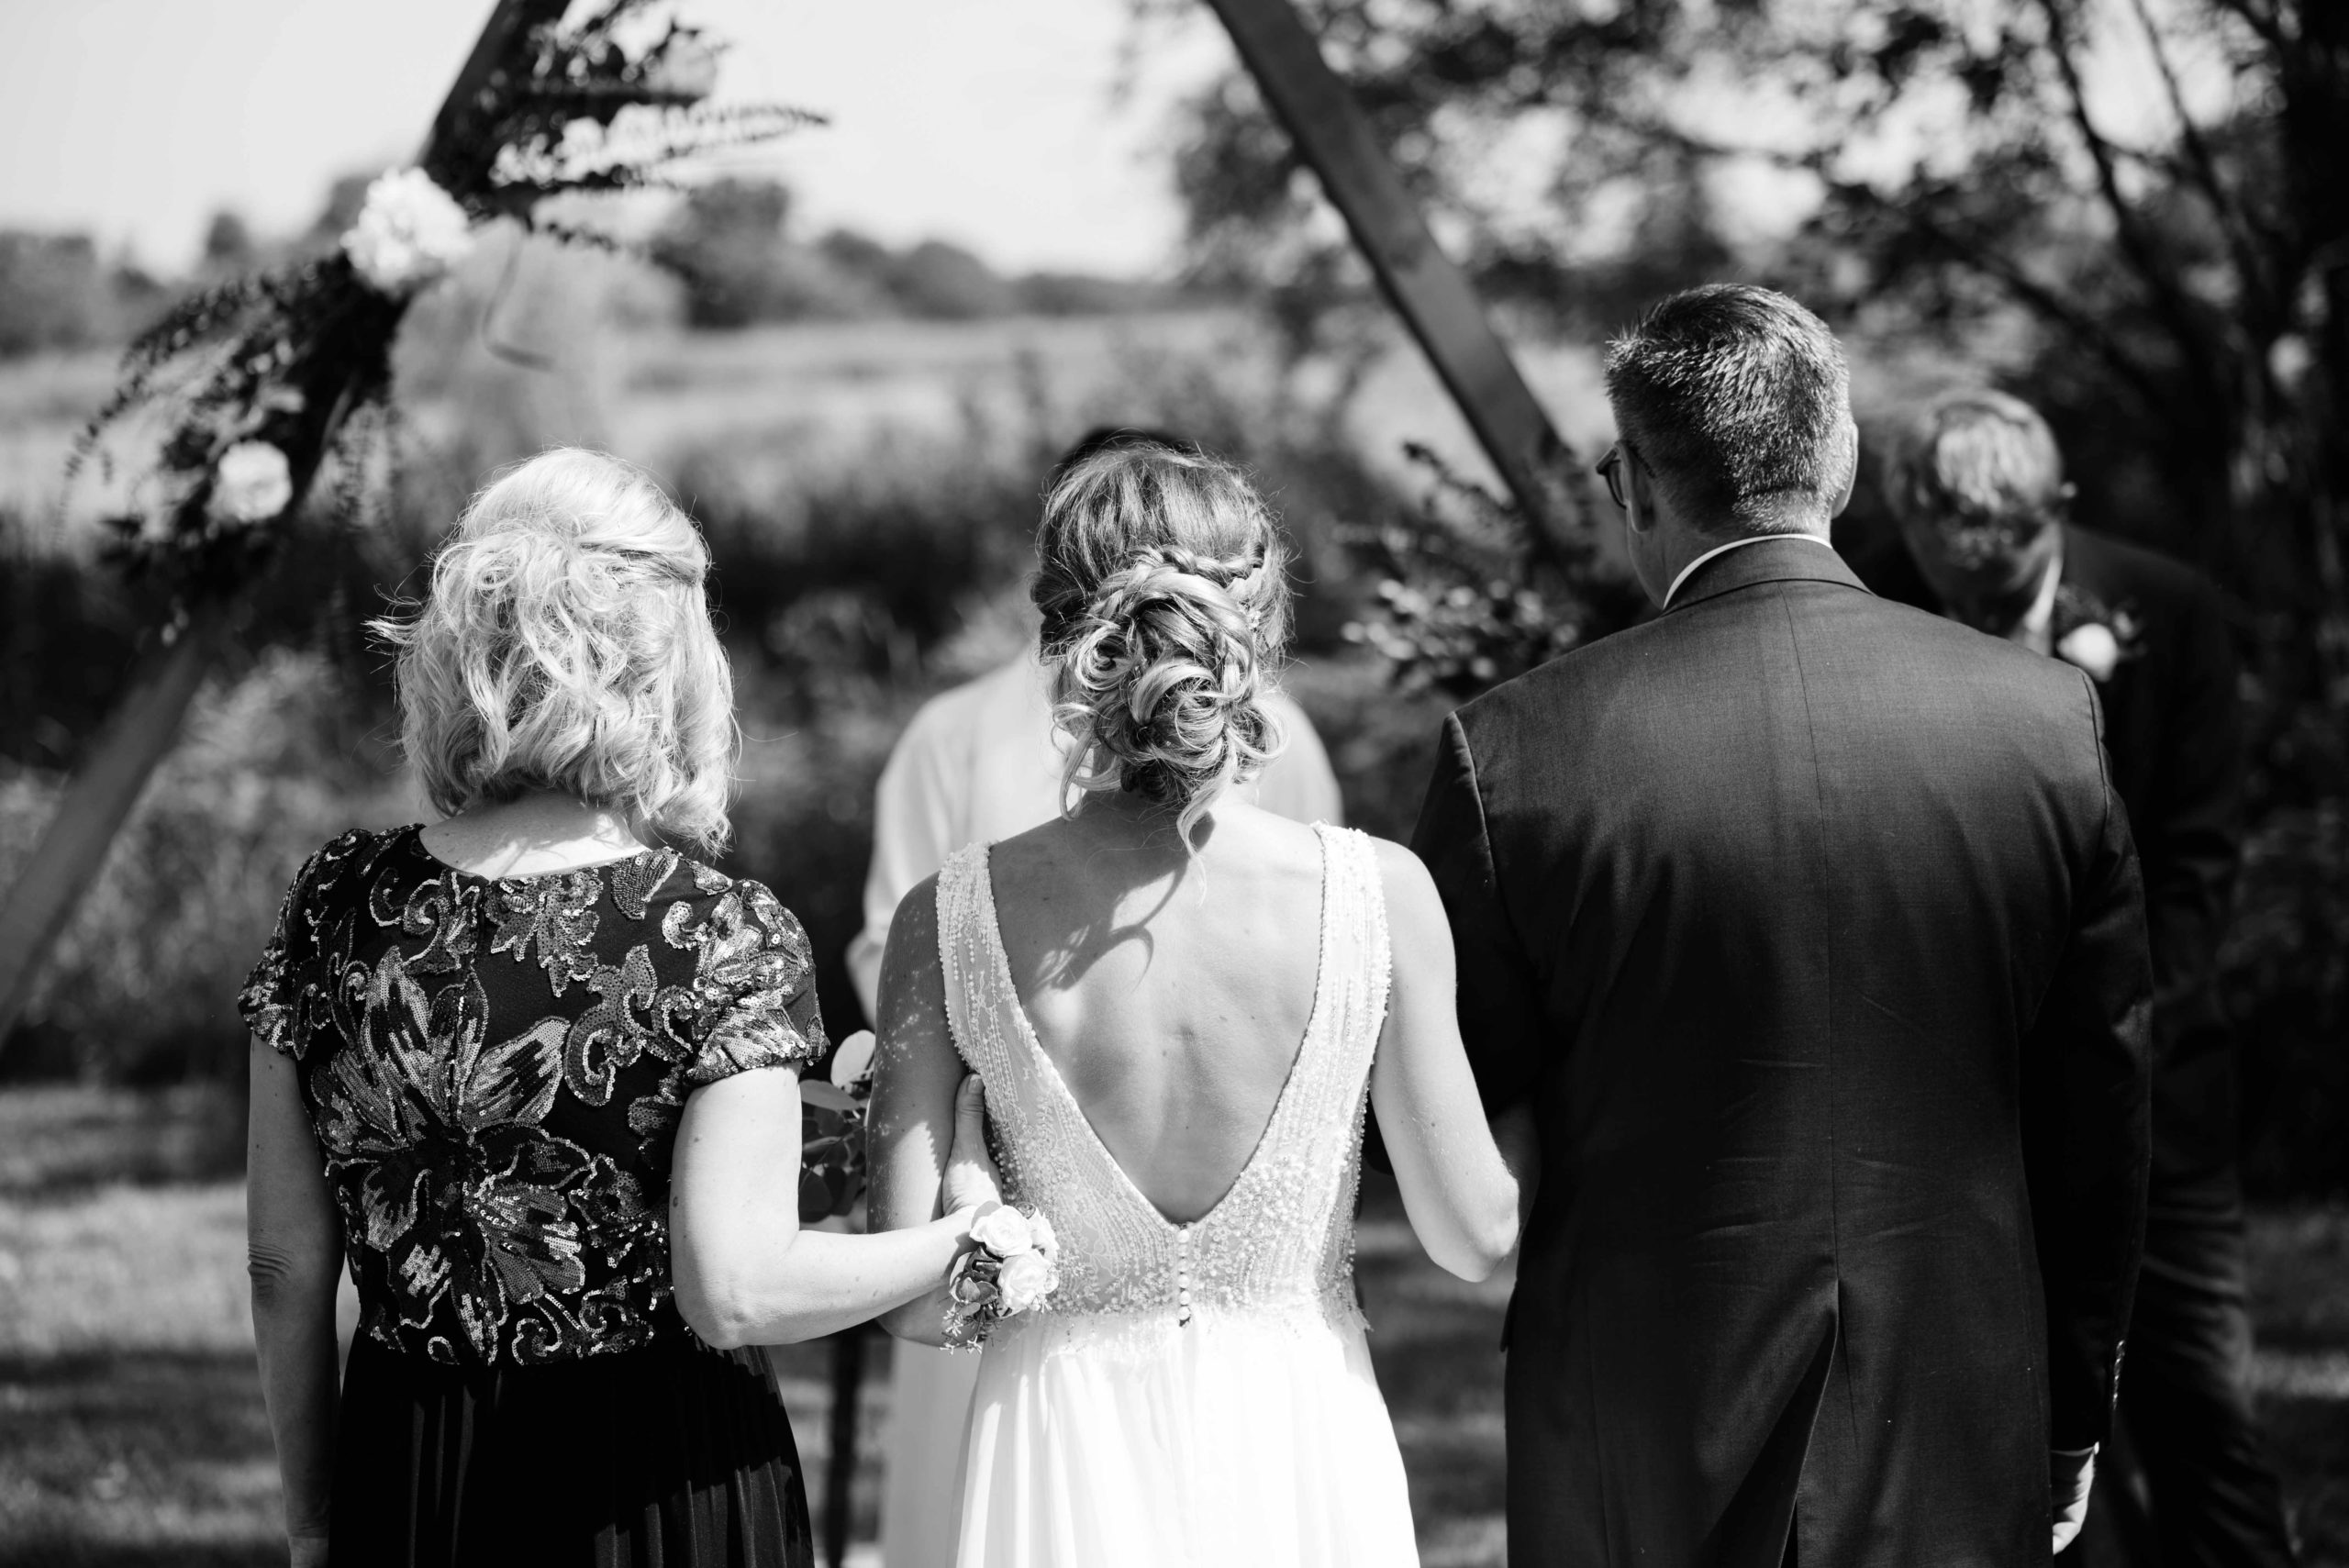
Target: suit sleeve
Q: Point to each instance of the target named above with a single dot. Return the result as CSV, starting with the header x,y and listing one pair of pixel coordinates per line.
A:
x,y
2191,842
1499,1003
2086,1078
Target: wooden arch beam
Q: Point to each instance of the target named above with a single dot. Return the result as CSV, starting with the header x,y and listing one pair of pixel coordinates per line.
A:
x,y
1427,289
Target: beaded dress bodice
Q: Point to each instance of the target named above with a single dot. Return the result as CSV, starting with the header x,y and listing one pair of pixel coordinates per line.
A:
x,y
1280,1242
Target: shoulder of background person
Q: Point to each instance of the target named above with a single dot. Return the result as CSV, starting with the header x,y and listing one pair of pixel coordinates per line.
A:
x,y
1884,563
2130,576
1298,783
951,717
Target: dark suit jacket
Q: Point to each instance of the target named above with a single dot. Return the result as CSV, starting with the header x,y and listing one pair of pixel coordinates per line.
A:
x,y
1810,927
2173,724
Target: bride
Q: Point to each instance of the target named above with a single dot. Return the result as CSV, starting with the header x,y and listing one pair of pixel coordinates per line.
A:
x,y
1178,1005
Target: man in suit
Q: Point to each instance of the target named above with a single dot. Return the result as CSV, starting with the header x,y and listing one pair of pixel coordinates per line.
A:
x,y
1808,929
1977,482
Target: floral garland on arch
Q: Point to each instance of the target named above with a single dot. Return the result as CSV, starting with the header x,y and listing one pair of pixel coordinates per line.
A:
x,y
261,379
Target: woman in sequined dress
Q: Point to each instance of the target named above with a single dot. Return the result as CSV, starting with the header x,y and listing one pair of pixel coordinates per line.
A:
x,y
532,1075
1180,1005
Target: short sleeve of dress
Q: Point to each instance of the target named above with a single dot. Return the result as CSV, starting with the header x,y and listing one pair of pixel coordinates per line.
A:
x,y
757,978
274,988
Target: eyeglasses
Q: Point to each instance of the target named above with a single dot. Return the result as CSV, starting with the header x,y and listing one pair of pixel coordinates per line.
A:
x,y
1610,468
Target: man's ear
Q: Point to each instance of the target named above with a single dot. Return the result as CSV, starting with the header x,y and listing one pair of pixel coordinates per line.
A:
x,y
1851,473
1640,513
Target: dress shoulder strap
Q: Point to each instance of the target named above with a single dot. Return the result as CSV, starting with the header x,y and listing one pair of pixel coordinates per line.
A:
x,y
1356,942
965,958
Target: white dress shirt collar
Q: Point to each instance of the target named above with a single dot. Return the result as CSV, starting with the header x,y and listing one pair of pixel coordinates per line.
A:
x,y
2036,630
1669,594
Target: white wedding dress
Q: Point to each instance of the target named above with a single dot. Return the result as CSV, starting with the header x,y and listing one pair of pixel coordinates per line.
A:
x,y
1193,1395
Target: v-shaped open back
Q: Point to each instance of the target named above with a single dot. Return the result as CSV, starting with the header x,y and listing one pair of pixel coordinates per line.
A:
x,y
1280,1236
1050,1073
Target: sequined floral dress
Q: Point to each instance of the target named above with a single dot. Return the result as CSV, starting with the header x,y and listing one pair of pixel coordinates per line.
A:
x,y
495,1071
1192,1395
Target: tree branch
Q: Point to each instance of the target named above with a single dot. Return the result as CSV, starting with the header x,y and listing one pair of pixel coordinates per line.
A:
x,y
1981,255
2268,27
2083,326
2168,298
2236,221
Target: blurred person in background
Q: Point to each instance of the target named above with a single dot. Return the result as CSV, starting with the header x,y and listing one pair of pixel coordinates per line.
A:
x,y
979,763
1977,483
534,1074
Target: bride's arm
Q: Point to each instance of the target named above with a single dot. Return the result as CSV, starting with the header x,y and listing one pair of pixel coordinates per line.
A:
x,y
1461,1197
916,1073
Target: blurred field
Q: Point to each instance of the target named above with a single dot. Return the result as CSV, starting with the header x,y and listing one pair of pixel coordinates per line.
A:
x,y
131,1430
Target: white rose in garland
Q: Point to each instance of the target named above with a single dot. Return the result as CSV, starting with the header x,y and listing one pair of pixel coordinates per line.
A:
x,y
408,234
251,483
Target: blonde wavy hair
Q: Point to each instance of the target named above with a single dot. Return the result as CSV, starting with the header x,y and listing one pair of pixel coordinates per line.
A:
x,y
566,645
1164,587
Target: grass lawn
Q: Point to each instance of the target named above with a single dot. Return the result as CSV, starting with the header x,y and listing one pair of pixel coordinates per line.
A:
x,y
131,1431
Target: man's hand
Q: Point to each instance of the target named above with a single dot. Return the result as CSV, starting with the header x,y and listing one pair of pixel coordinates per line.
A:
x,y
306,1551
2069,1477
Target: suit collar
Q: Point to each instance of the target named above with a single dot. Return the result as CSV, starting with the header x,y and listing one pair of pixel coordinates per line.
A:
x,y
1787,559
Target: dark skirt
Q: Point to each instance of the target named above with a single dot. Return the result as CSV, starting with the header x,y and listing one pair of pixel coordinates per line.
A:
x,y
673,1456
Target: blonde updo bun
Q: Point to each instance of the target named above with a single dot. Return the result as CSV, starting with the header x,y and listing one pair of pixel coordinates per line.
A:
x,y
566,645
1165,593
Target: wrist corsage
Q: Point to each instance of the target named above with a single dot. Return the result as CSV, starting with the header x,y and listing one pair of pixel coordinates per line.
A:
x,y
1009,1268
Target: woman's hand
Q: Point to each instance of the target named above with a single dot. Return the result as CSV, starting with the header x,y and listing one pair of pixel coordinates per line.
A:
x,y
970,1175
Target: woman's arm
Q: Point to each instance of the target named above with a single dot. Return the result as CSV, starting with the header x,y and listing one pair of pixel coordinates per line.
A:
x,y
744,1273
1461,1196
294,1250
916,1077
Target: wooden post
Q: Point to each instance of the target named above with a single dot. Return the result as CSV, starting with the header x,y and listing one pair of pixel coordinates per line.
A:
x,y
1430,294
73,847
140,732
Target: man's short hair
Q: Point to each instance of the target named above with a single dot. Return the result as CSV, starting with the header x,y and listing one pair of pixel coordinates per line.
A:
x,y
1976,460
1738,401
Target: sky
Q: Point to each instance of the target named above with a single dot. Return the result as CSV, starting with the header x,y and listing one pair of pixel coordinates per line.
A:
x,y
996,124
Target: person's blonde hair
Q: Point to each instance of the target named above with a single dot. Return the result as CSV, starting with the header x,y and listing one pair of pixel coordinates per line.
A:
x,y
1976,459
1163,585
565,644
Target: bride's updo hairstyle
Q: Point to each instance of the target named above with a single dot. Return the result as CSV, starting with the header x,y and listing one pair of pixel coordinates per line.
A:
x,y
566,645
1165,592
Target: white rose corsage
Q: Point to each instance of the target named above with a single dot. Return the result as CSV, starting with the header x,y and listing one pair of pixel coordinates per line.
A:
x,y
1010,1269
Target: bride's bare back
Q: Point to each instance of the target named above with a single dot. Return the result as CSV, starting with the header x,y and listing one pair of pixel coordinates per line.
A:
x,y
1163,946
1171,994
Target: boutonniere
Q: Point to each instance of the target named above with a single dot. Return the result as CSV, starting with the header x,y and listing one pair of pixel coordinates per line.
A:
x,y
2094,636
